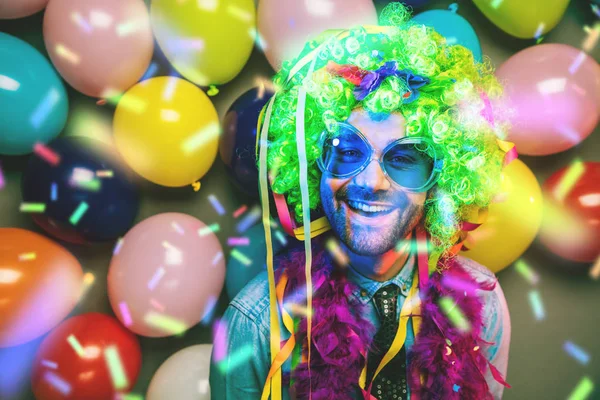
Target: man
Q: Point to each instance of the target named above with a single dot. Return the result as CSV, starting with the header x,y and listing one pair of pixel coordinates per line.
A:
x,y
399,149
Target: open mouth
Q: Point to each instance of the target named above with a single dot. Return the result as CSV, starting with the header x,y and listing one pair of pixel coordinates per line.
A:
x,y
366,210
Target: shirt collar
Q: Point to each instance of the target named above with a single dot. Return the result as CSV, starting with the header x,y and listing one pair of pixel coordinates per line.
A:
x,y
368,287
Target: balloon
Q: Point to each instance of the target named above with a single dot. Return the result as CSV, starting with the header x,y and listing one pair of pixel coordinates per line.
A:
x,y
87,196
10,9
524,20
90,356
239,274
33,100
453,27
554,90
41,283
285,25
167,131
238,141
208,42
410,3
167,275
513,220
570,226
184,376
100,47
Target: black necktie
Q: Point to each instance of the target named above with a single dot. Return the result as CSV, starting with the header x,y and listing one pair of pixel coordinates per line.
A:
x,y
390,383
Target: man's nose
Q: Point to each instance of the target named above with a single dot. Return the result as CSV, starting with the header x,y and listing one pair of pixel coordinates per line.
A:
x,y
372,177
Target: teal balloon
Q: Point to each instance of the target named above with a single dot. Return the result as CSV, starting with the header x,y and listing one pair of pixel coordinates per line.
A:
x,y
238,274
33,100
453,27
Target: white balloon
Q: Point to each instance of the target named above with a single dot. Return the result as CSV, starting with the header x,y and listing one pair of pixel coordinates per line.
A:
x,y
286,25
183,376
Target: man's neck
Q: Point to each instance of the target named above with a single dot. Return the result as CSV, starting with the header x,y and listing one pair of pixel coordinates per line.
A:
x,y
382,267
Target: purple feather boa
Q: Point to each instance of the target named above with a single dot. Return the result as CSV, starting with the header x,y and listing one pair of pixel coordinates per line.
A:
x,y
341,336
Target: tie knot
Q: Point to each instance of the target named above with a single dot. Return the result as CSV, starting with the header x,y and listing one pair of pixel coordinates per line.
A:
x,y
385,301
387,292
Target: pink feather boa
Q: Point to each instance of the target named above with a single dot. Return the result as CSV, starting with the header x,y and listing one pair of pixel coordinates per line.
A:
x,y
341,336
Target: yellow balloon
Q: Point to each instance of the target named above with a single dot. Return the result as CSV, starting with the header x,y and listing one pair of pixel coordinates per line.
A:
x,y
512,223
206,41
167,130
523,19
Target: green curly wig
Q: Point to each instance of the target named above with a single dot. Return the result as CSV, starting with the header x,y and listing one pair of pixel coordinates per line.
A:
x,y
448,111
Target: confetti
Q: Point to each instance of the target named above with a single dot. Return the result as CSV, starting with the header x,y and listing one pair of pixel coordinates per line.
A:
x,y
569,179
595,270
76,345
118,246
27,256
79,20
104,173
336,251
209,310
596,9
281,238
76,216
241,257
240,211
32,207
592,39
53,191
577,62
128,396
260,41
217,258
115,366
250,219
67,54
44,108
238,241
455,387
93,185
1,179
539,30
236,359
126,28
216,205
157,305
584,388
576,352
49,364
220,340
170,88
46,153
208,229
527,272
454,314
177,228
88,281
204,135
536,304
58,383
165,323
240,13
8,83
458,284
127,321
160,272
130,102
150,72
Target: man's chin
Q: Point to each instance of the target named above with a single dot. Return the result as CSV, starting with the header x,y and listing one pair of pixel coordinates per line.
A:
x,y
368,250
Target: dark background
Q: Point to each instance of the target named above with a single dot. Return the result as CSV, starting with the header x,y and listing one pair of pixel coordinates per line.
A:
x,y
538,368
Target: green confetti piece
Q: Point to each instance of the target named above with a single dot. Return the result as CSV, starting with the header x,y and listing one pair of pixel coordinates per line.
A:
x,y
76,345
241,257
165,322
527,272
569,179
32,207
81,209
209,229
115,367
236,359
583,389
454,314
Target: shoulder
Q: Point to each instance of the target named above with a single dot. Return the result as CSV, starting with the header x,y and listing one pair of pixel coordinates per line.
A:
x,y
477,271
253,301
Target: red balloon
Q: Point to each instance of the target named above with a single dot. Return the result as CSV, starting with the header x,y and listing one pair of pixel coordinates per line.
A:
x,y
73,361
571,227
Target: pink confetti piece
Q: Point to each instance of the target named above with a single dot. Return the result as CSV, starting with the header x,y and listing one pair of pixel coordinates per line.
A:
x,y
49,364
240,211
157,305
238,241
1,179
218,257
220,340
125,313
47,154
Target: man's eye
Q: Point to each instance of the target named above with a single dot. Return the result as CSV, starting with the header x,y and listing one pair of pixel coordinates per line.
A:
x,y
350,153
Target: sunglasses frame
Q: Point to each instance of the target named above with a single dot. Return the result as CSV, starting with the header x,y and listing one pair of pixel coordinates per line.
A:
x,y
435,172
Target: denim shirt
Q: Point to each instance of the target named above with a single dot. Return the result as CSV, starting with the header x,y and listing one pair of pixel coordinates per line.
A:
x,y
246,327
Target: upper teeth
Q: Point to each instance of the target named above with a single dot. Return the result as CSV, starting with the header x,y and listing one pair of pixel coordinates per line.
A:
x,y
367,208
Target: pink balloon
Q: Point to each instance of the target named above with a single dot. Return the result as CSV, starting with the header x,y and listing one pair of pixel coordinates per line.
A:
x,y
165,275
100,47
554,90
286,25
10,9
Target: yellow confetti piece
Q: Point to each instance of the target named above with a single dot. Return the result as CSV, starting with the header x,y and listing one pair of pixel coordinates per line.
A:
x,y
569,179
27,256
69,55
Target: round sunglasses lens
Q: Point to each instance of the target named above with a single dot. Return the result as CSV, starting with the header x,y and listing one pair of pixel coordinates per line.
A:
x,y
409,165
345,153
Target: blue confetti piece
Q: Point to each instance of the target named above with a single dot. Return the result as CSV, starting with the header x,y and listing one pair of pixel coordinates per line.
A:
x,y
536,304
216,205
455,387
54,192
576,352
44,109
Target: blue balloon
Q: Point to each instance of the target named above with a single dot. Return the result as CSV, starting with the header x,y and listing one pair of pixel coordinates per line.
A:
x,y
238,274
33,100
238,141
453,27
88,197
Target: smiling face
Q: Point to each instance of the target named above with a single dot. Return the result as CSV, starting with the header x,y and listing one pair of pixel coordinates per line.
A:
x,y
348,202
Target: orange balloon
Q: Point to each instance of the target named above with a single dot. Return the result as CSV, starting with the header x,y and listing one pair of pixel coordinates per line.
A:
x,y
40,283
